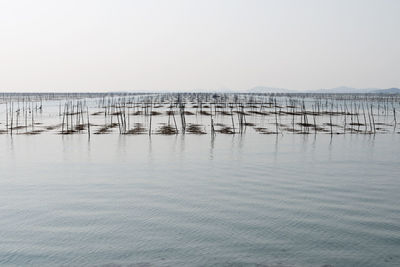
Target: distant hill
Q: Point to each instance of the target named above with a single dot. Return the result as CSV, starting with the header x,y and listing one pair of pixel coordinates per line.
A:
x,y
266,90
336,90
350,90
386,91
344,90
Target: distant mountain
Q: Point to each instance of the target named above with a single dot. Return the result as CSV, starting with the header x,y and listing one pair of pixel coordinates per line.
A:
x,y
386,91
266,90
344,90
337,90
350,90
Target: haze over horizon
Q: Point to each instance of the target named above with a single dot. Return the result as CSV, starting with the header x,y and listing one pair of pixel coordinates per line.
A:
x,y
189,45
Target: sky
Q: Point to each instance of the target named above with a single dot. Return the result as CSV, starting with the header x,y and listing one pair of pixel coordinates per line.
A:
x,y
186,45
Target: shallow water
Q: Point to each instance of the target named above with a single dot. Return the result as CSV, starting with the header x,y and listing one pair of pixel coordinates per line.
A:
x,y
292,200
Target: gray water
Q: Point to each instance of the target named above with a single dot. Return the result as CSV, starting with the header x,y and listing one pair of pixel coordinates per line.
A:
x,y
250,200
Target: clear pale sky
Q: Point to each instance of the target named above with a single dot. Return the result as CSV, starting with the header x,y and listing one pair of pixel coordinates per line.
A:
x,y
98,45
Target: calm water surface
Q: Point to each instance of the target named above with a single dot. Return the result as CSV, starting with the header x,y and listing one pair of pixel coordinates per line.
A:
x,y
196,201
